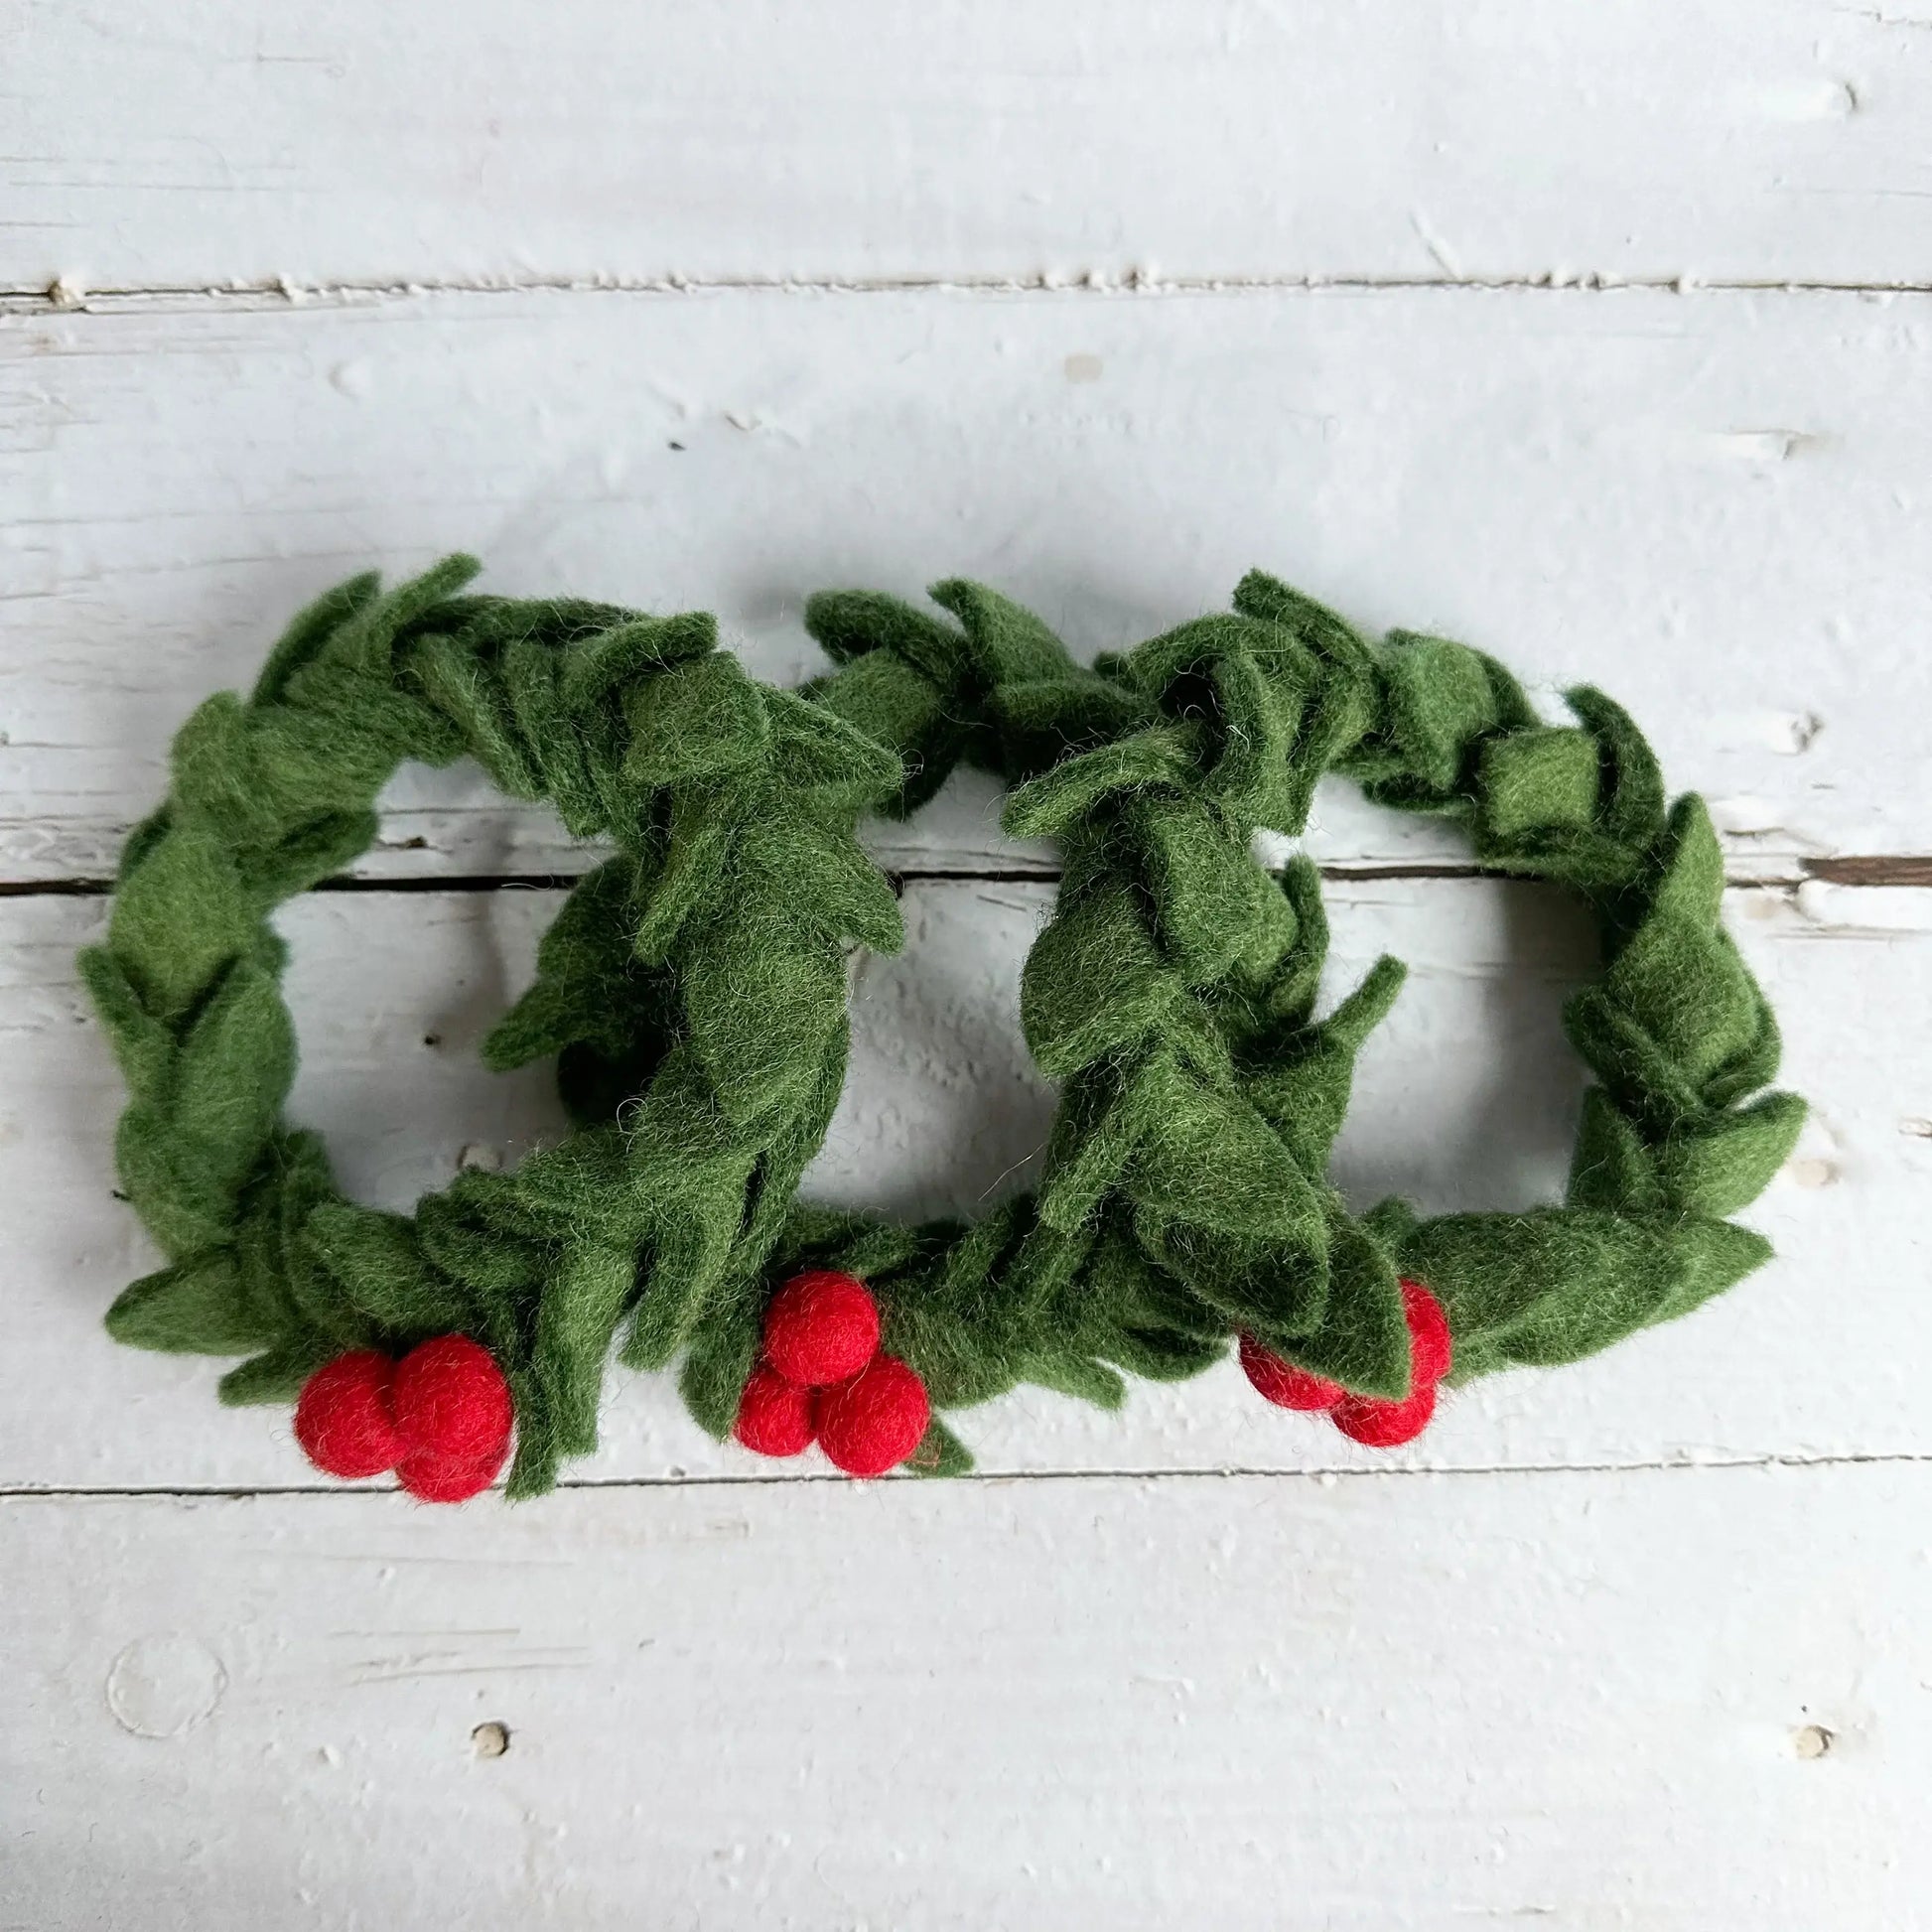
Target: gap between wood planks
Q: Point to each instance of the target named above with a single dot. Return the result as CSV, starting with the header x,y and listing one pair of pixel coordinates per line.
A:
x,y
753,1480
1874,869
66,297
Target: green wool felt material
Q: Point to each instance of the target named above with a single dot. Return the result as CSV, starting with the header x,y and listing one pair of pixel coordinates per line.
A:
x,y
693,991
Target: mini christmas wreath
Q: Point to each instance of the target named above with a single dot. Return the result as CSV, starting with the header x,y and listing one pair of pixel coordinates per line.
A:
x,y
694,986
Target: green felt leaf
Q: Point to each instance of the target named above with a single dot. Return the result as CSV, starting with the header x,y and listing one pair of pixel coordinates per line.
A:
x,y
718,1364
467,691
941,1453
312,851
1725,1165
577,1318
179,918
691,1256
1095,983
892,706
702,831
1210,1160
764,1007
1535,780
696,720
234,1068
824,881
812,746
217,786
1632,784
197,1307
380,1266
1362,1337
310,630
1047,806
1613,1167
634,650
1012,644
1553,1286
275,1375
143,1045
187,1199
851,625
1200,879
1077,1376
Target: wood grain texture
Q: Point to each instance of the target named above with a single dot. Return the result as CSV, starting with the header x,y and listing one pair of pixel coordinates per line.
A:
x,y
1102,304
1377,1705
1711,506
1465,1098
487,140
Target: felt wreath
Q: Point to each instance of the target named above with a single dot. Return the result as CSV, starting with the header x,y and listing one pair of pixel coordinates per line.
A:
x,y
692,989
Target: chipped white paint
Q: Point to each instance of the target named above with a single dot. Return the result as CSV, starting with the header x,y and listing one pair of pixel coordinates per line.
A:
x,y
1515,469
161,1687
1080,143
1639,1644
1391,1704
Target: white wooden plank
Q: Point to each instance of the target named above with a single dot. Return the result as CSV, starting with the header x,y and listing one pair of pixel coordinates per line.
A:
x,y
1691,1702
1711,505
487,140
1465,1098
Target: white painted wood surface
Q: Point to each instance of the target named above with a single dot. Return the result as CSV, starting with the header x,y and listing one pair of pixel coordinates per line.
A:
x,y
1639,1644
487,140
1713,505
1384,1700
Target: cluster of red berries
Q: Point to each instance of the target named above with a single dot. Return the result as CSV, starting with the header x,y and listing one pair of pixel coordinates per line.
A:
x,y
822,1377
1366,1419
440,1418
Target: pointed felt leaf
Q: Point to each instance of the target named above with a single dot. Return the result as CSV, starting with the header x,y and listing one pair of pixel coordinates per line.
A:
x,y
1012,645
277,1374
185,1198
941,1453
1047,806
582,1301
817,746
690,1257
179,918
1210,1160
718,1362
703,827
196,1308
1095,982
144,1047
849,625
608,660
1719,1169
1362,1339
1612,1167
235,1065
1200,876
380,1266
698,720
310,630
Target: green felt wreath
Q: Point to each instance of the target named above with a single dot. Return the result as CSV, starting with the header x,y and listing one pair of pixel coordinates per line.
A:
x,y
692,989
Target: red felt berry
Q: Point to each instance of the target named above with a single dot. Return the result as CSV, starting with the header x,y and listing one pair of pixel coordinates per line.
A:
x,y
451,1399
774,1417
1282,1383
874,1422
434,1478
1431,1346
821,1327
342,1418
1382,1423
